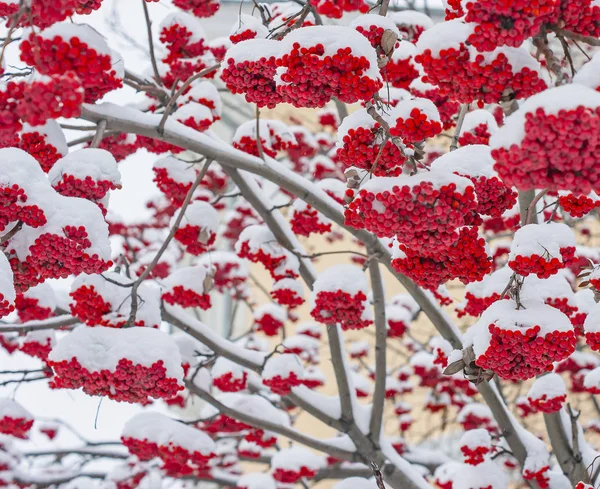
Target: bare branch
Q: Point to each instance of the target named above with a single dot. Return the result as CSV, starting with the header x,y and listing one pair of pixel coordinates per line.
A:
x,y
380,350
464,108
100,130
151,43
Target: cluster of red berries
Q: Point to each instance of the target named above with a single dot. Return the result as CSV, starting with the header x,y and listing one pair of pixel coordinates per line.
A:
x,y
465,80
127,383
282,385
29,309
174,190
55,56
89,306
183,297
310,77
418,127
194,239
547,404
228,383
582,17
87,188
476,455
578,205
447,107
361,148
510,25
480,134
223,424
199,8
276,263
539,476
119,145
306,220
336,8
474,306
341,307
13,208
507,350
466,260
561,159
261,438
285,295
157,146
275,143
254,79
542,266
44,13
17,427
38,146
37,349
177,460
494,197
426,216
286,476
269,323
60,95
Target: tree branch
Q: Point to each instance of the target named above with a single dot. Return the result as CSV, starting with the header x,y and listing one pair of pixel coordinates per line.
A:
x,y
380,350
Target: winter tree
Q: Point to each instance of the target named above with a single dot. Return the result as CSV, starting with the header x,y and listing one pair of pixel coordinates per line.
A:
x,y
387,275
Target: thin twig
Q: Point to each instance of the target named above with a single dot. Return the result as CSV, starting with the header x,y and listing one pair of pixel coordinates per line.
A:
x,y
163,248
151,43
464,108
12,232
183,88
99,132
261,153
531,207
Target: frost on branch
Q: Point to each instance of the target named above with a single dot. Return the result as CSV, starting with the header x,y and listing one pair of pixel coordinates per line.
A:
x,y
182,449
128,365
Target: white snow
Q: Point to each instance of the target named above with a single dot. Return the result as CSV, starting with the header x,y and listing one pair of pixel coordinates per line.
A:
x,y
411,18
295,458
248,23
476,438
444,36
542,239
283,366
367,20
52,133
201,214
476,118
223,366
192,278
12,409
164,431
96,163
589,74
7,288
474,160
256,480
99,349
348,278
504,314
188,21
550,385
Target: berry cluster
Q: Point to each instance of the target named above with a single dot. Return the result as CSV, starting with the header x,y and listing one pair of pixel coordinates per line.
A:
x,y
400,69
17,427
269,319
578,205
361,147
547,404
563,158
310,74
226,382
466,260
466,76
119,145
502,24
29,308
335,9
44,13
525,350
341,307
424,209
288,292
199,8
422,122
54,54
40,147
127,383
186,298
282,384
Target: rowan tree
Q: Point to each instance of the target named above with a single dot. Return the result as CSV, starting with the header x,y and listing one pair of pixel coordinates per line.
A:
x,y
459,157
